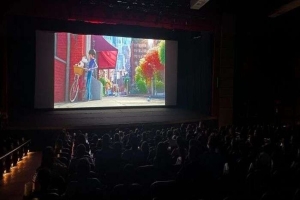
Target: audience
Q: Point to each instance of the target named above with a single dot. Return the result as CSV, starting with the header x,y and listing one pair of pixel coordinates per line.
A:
x,y
193,161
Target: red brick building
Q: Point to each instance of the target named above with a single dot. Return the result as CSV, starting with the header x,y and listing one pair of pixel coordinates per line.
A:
x,y
69,50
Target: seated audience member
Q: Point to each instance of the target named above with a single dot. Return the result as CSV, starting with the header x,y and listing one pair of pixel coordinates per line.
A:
x,y
133,155
179,154
116,137
82,140
43,186
117,148
80,153
215,161
99,145
144,137
50,162
128,174
194,154
145,150
162,158
58,147
84,187
171,141
93,144
195,178
105,156
152,152
66,139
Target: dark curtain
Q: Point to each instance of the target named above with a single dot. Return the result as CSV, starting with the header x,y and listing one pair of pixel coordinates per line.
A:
x,y
195,72
21,64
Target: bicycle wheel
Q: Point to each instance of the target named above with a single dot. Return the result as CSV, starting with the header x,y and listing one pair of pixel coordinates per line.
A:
x,y
74,90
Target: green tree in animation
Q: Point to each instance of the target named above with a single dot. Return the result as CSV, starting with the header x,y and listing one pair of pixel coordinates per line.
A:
x,y
161,52
140,80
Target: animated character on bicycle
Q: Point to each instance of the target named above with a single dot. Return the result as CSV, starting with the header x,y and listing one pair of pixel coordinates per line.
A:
x,y
79,68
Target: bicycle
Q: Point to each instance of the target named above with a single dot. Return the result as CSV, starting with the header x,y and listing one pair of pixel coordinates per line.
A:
x,y
78,71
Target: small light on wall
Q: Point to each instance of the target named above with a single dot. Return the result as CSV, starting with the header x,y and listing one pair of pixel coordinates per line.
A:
x,y
4,171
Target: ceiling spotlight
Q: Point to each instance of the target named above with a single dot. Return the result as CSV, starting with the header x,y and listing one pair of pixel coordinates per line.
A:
x,y
197,4
197,37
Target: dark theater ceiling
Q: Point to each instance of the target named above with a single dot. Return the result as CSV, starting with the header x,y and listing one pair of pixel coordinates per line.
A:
x,y
171,14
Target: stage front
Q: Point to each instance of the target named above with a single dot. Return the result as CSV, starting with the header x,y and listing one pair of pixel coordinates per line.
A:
x,y
103,118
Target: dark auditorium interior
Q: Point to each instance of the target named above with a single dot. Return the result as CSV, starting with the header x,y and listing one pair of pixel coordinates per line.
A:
x,y
234,133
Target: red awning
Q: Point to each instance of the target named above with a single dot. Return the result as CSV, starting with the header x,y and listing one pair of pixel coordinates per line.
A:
x,y
107,54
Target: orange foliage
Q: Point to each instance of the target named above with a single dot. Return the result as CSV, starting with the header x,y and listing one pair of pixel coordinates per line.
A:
x,y
151,63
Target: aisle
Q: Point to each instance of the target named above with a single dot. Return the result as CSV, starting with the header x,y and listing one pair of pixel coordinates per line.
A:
x,y
12,184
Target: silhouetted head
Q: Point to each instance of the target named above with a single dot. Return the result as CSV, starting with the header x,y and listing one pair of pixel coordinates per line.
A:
x,y
105,141
180,142
99,144
133,142
58,144
161,150
128,173
189,135
116,137
48,157
81,139
264,161
95,139
157,139
176,132
144,136
212,142
145,147
80,151
169,134
118,148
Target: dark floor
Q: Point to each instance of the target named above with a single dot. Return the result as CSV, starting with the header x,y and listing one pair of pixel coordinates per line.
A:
x,y
93,118
13,183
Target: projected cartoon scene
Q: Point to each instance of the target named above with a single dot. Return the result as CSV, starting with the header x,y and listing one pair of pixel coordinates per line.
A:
x,y
108,71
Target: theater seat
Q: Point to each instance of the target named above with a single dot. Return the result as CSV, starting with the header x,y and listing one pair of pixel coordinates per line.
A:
x,y
146,175
64,160
49,196
163,190
127,192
